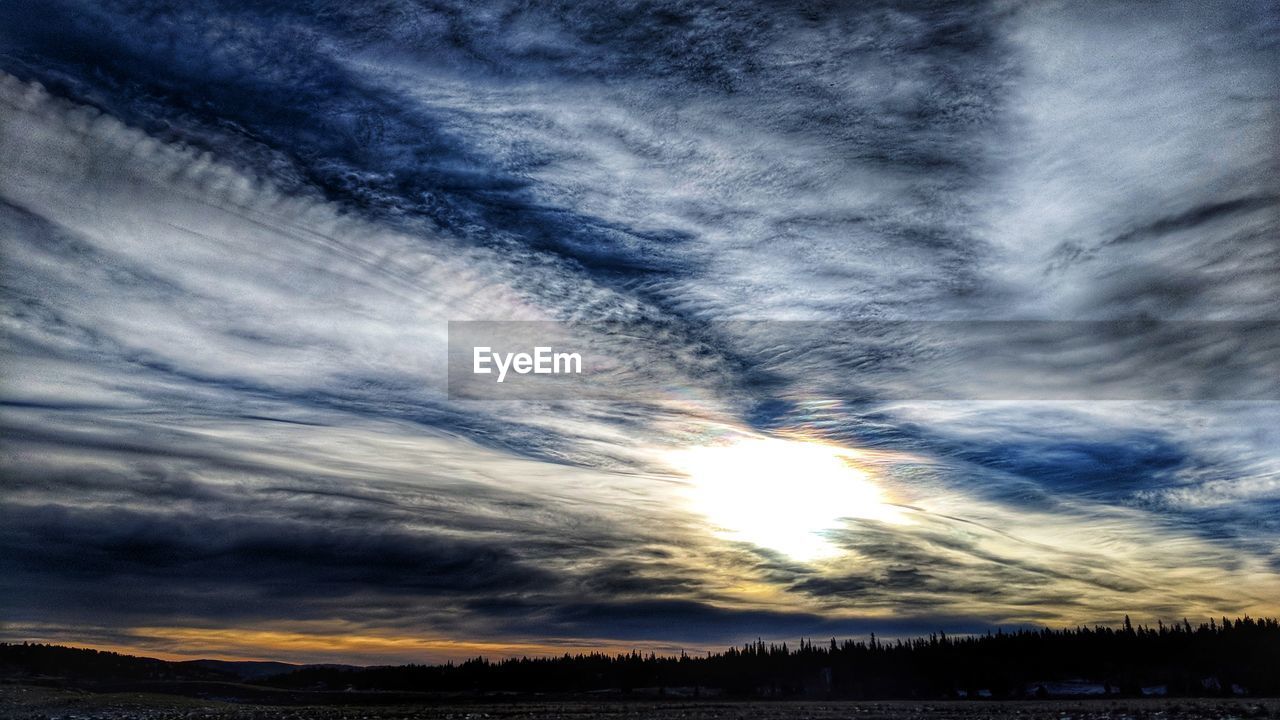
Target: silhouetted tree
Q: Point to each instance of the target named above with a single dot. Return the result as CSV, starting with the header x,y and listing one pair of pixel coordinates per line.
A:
x,y
1235,656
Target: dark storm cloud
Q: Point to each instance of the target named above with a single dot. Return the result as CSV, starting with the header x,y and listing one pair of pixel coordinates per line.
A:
x,y
149,544
279,557
705,623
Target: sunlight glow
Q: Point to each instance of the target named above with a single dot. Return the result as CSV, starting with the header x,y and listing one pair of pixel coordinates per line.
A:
x,y
785,495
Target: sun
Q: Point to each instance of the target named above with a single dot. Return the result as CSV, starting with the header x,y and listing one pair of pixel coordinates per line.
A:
x,y
785,495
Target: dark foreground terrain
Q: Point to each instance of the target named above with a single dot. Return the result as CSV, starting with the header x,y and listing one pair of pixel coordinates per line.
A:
x,y
28,702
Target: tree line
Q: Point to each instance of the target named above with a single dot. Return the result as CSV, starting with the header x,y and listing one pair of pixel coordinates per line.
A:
x,y
1220,657
1239,656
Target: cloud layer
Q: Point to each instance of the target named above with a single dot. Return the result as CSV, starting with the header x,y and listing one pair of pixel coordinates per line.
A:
x,y
234,234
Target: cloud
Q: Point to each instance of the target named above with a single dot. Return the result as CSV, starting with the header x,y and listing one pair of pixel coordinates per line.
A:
x,y
705,623
233,235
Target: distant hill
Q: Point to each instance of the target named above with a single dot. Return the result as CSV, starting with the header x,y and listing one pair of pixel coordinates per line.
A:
x,y
56,661
244,670
33,660
103,671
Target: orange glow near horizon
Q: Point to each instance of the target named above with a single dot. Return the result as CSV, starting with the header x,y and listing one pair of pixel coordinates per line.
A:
x,y
356,648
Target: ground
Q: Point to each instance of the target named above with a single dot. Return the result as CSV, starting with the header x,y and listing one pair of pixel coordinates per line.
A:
x,y
31,703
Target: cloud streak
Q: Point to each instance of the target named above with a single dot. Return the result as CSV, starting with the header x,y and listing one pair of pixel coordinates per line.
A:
x,y
233,237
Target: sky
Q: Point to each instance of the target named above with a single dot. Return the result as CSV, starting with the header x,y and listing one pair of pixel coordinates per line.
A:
x,y
937,317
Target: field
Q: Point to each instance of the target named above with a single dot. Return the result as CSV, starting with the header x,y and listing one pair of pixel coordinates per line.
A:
x,y
26,702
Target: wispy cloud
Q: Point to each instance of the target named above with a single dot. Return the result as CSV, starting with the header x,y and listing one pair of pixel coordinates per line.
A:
x,y
233,236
